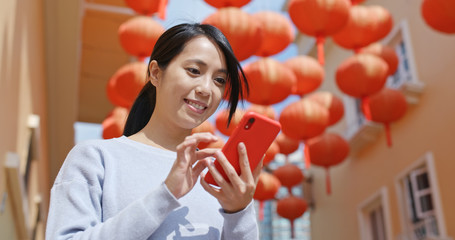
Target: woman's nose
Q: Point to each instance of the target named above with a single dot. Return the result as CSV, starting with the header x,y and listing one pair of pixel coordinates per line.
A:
x,y
203,87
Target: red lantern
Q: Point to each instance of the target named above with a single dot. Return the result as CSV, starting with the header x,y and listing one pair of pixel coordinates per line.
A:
x,y
291,208
289,175
326,151
332,103
267,111
148,7
269,80
114,124
287,145
366,24
361,75
266,189
126,83
205,126
240,28
138,35
355,2
218,144
222,119
319,18
439,15
227,3
271,152
309,73
385,107
387,53
277,33
303,119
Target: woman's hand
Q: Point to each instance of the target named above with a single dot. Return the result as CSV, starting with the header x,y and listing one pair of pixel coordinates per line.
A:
x,y
238,193
183,174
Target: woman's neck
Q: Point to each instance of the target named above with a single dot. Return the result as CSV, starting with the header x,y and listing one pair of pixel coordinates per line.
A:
x,y
161,135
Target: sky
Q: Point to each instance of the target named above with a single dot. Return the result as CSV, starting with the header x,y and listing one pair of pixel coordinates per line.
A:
x,y
180,11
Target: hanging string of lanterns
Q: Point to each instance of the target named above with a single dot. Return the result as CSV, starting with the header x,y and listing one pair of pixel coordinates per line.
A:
x,y
304,122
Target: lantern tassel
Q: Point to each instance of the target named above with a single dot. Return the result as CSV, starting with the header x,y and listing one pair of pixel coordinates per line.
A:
x,y
261,210
320,45
327,181
307,158
162,9
366,107
388,134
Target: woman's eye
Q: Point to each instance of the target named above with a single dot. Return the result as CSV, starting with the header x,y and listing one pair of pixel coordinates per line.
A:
x,y
220,80
193,70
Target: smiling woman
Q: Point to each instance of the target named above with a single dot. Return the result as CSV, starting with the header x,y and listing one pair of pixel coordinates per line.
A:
x,y
144,185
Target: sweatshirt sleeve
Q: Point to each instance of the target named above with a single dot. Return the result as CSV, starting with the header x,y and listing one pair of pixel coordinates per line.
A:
x,y
241,225
76,203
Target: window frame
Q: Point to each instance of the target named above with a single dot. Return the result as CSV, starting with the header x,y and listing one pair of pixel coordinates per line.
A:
x,y
378,199
426,161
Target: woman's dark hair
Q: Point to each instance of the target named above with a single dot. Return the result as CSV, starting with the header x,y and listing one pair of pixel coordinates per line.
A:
x,y
169,45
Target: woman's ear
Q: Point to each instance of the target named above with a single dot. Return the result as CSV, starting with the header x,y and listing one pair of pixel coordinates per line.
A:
x,y
155,73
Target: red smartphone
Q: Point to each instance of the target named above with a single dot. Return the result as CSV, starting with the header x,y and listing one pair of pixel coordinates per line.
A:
x,y
257,132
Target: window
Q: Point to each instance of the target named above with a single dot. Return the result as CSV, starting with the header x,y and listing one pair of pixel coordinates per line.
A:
x,y
374,217
418,196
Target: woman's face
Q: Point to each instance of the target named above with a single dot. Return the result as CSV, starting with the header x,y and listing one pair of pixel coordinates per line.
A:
x,y
190,89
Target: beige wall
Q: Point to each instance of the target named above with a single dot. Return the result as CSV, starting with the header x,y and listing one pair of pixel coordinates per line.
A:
x,y
38,75
427,126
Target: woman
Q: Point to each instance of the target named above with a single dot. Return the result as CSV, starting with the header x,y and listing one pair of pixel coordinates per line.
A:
x,y
144,185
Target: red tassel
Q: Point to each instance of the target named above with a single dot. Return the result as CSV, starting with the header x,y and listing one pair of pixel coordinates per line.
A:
x,y
307,158
388,135
366,107
162,9
327,181
261,210
320,45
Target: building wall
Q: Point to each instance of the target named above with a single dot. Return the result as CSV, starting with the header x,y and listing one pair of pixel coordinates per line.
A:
x,y
427,126
23,91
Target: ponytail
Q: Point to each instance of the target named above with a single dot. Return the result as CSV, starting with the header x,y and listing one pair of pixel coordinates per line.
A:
x,y
141,111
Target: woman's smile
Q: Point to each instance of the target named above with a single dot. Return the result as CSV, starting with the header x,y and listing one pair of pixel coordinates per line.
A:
x,y
196,106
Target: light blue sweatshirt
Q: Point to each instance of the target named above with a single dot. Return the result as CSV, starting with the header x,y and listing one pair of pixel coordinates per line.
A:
x,y
113,189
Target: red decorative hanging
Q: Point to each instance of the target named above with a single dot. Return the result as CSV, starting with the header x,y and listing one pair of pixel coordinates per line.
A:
x,y
240,28
114,123
227,3
287,145
222,119
138,35
366,25
319,18
361,75
355,2
126,83
148,7
303,119
218,144
386,106
387,53
289,175
326,150
291,207
439,15
267,111
271,152
277,33
270,81
266,189
331,102
205,126
309,74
